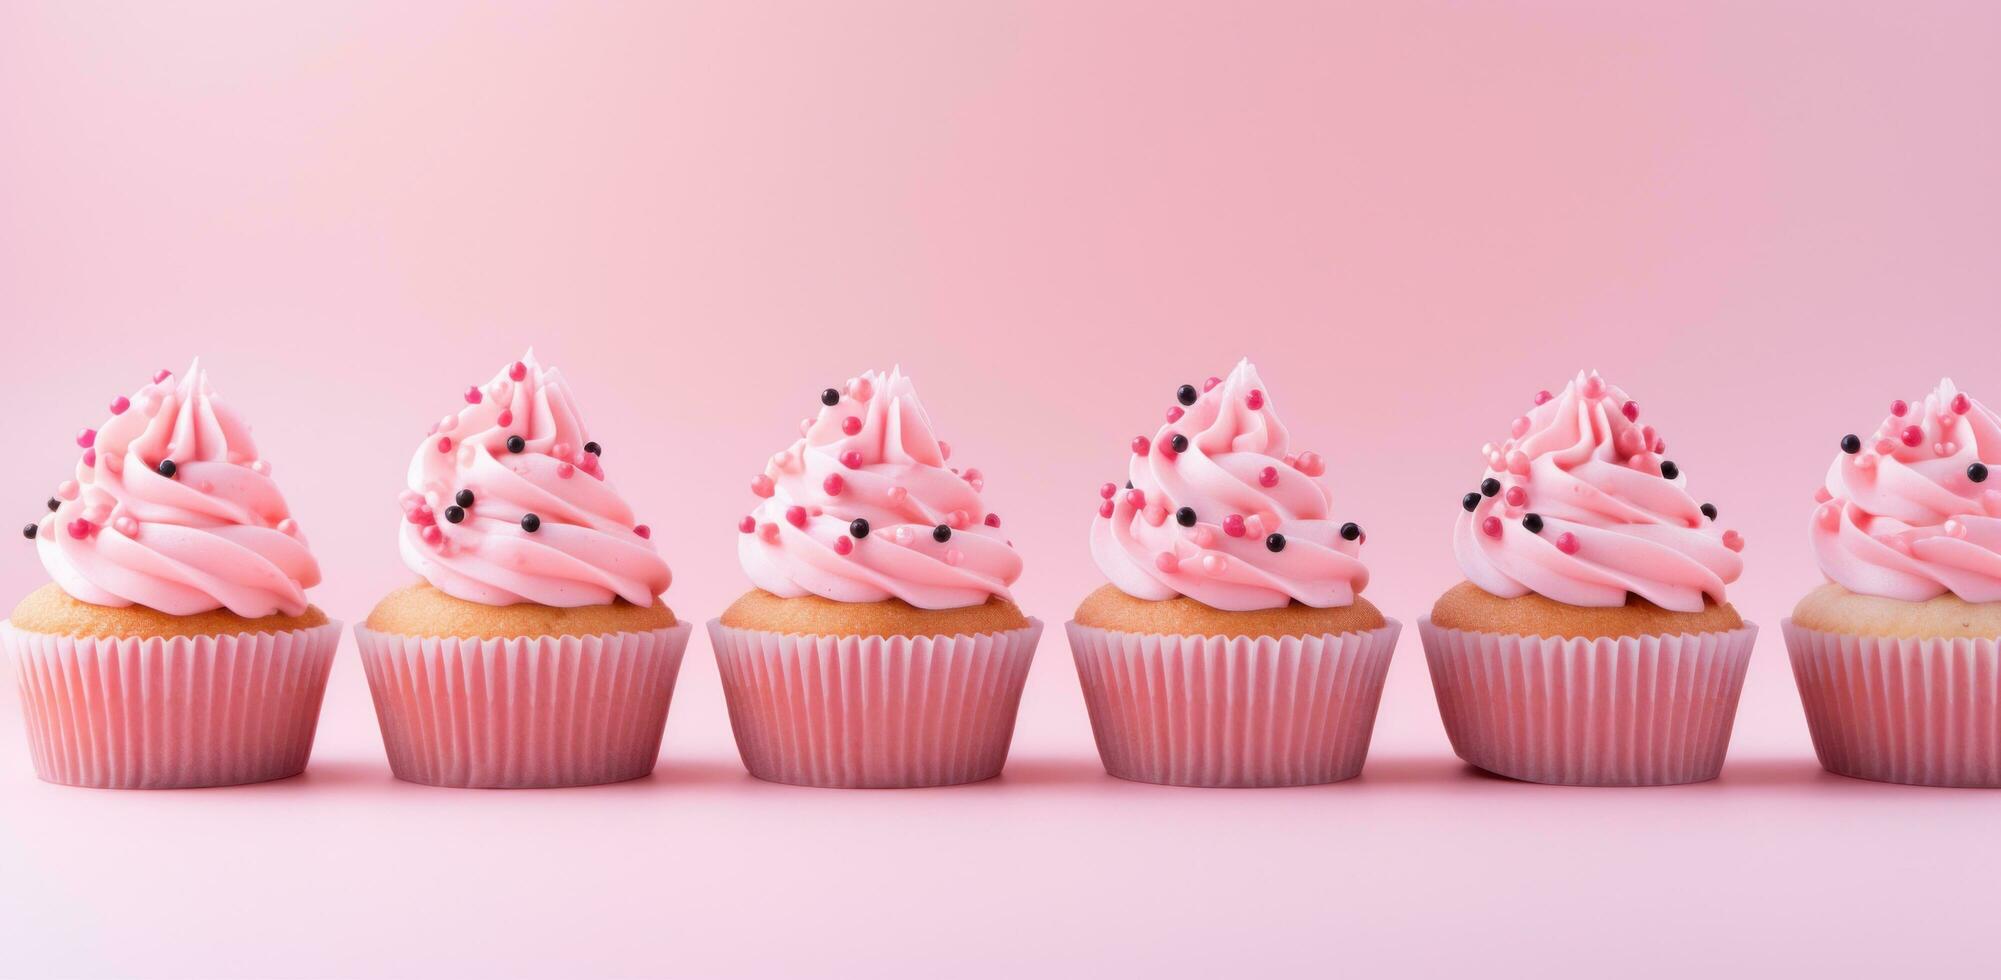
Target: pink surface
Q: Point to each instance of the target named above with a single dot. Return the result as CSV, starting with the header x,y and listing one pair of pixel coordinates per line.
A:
x,y
1765,221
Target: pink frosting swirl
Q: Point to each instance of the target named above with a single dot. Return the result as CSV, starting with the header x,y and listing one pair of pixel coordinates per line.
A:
x,y
1232,519
1909,514
863,508
1579,506
172,508
508,502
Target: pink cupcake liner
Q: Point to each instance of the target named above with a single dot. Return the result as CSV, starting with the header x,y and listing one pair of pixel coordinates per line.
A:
x,y
880,712
1613,711
1220,711
171,712
1924,711
522,712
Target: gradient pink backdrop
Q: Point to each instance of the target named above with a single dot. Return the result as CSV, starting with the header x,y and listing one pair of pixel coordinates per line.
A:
x,y
1764,220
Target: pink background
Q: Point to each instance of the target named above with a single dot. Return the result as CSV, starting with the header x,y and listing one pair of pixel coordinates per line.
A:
x,y
1764,220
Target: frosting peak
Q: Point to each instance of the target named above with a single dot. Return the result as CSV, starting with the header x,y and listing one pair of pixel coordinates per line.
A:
x,y
172,508
1907,512
1216,508
863,508
1578,505
507,502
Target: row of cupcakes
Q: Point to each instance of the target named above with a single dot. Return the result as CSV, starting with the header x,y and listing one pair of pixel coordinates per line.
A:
x,y
1592,642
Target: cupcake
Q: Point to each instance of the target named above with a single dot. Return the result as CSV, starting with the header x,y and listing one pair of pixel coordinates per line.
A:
x,y
1898,655
1591,643
880,646
534,651
175,646
1232,646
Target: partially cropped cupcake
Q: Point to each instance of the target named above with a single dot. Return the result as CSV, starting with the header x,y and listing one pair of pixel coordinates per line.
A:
x,y
880,647
1898,655
1591,643
175,647
1232,647
535,651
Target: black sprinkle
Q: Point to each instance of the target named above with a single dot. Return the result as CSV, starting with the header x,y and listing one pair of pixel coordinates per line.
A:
x,y
1851,444
1350,531
941,533
1129,484
54,503
1186,394
1185,517
1471,502
167,468
1275,542
830,397
1709,511
28,531
1977,472
594,449
858,527
1179,442
1668,470
516,444
1490,486
464,498
531,523
1533,522
455,513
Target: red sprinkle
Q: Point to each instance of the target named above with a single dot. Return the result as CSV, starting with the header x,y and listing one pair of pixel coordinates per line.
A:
x,y
1543,396
1140,445
431,534
1632,411
1233,525
1255,400
1960,404
1913,435
795,515
1137,498
993,520
852,459
642,530
833,484
90,457
121,403
517,370
843,545
565,470
1108,490
1517,496
1268,477
86,437
1899,407
851,425
79,529
1105,509
747,525
1492,527
444,444
474,396
506,418
1567,543
760,485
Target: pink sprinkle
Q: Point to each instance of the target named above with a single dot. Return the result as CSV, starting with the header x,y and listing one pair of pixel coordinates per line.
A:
x,y
162,375
843,545
130,528
1108,490
1961,404
444,444
1492,527
954,556
1821,496
474,396
1565,542
833,484
1255,400
423,514
852,459
1884,447
1174,413
505,419
517,370
747,525
431,535
1137,498
1519,427
958,519
851,425
761,485
68,489
898,495
1912,435
1213,564
79,529
944,449
86,438
1311,464
993,520
1233,525
768,531
1828,515
560,450
1516,496
1211,383
1166,562
1951,528
289,526
1268,477
1594,387
1167,447
1899,407
1733,541
120,404
1140,445
1542,397
1518,461
565,470
1630,442
795,515
1105,509
90,457
1631,410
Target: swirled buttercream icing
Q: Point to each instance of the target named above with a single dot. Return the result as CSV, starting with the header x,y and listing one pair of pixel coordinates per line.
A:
x,y
507,502
1580,506
172,508
1217,508
1911,512
864,508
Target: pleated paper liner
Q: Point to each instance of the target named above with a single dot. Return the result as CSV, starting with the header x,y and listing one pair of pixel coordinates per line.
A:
x,y
522,712
1924,711
171,712
1615,711
1232,710
873,711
